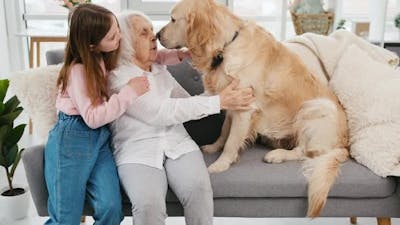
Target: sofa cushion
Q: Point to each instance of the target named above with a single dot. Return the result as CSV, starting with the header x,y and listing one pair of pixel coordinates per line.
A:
x,y
187,77
253,178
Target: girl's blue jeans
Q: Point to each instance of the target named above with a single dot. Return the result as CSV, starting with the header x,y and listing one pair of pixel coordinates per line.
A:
x,y
79,166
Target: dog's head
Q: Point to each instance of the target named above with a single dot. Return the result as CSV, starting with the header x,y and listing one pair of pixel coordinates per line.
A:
x,y
203,26
189,18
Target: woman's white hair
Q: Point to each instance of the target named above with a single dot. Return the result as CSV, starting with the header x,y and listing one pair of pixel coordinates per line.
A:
x,y
127,37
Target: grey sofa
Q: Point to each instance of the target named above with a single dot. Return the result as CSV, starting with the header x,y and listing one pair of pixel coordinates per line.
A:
x,y
252,188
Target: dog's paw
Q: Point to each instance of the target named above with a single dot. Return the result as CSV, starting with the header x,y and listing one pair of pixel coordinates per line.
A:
x,y
213,148
219,166
274,156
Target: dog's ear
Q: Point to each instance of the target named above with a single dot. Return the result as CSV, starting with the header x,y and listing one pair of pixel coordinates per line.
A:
x,y
200,28
201,3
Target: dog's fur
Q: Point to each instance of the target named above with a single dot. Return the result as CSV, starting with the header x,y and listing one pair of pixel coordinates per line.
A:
x,y
292,107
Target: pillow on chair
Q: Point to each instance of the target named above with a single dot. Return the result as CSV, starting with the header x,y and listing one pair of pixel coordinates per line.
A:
x,y
36,89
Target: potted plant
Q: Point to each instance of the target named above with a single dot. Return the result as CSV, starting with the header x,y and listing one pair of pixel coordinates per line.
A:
x,y
13,199
70,4
310,16
397,21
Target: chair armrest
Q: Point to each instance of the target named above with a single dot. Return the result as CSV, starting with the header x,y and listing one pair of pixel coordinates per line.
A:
x,y
55,56
33,160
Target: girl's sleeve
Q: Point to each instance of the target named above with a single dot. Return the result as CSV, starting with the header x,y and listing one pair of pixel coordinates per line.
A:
x,y
167,57
97,115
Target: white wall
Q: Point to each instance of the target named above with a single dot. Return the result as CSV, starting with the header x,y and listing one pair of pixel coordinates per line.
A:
x,y
17,46
4,56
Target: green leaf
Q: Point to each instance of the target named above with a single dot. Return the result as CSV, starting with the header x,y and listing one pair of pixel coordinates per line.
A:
x,y
11,104
3,133
2,107
12,153
14,135
3,88
16,161
2,160
10,117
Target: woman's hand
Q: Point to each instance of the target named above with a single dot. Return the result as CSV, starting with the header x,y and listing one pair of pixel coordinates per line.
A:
x,y
236,99
139,84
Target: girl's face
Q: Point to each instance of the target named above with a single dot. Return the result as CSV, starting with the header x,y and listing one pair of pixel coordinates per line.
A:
x,y
110,42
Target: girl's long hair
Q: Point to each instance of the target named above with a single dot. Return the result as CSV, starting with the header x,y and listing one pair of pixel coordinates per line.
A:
x,y
88,25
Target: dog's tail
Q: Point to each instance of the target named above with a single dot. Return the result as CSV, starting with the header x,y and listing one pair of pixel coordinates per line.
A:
x,y
321,172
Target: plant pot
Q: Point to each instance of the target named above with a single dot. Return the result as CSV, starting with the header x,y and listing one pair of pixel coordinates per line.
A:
x,y
14,207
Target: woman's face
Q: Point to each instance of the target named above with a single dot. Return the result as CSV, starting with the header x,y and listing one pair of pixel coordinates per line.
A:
x,y
110,42
144,40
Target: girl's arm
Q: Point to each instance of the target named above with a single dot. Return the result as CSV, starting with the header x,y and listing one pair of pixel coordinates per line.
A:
x,y
105,112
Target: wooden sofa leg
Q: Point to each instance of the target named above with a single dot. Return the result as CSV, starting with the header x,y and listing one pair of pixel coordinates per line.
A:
x,y
83,219
383,220
30,126
353,220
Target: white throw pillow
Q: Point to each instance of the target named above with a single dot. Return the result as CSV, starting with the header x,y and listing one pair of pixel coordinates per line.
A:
x,y
370,93
36,89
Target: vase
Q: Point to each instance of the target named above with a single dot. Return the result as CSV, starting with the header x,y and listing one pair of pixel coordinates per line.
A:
x,y
14,207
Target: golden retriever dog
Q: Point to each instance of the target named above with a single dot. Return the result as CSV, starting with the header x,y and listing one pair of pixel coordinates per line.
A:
x,y
300,115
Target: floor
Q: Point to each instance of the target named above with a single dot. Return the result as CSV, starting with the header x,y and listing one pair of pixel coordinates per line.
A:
x,y
32,219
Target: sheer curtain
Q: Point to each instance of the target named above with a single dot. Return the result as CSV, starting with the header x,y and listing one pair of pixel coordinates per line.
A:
x,y
4,58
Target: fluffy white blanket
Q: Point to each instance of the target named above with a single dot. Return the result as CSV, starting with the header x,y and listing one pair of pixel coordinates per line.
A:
x,y
364,78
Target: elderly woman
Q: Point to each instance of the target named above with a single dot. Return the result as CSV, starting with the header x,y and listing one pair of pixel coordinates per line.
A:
x,y
152,148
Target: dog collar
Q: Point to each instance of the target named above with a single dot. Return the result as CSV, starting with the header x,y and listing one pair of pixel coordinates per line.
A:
x,y
219,58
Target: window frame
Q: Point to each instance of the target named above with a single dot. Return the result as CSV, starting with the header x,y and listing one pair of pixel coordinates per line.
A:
x,y
158,9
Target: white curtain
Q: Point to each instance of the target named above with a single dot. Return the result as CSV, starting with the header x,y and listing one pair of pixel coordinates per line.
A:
x,y
4,58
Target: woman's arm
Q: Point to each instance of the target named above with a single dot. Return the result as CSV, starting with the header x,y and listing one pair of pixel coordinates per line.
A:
x,y
173,111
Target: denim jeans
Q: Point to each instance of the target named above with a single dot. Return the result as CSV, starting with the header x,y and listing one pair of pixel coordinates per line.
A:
x,y
78,165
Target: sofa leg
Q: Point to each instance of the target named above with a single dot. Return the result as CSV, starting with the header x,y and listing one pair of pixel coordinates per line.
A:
x,y
383,220
83,219
30,126
353,220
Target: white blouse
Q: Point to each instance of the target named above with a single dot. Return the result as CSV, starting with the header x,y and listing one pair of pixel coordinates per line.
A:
x,y
152,127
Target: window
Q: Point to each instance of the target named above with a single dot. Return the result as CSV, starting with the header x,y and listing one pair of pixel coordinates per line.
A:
x,y
157,9
271,14
355,9
392,33
50,17
381,19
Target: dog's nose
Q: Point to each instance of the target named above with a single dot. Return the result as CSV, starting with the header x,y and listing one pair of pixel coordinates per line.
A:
x,y
158,35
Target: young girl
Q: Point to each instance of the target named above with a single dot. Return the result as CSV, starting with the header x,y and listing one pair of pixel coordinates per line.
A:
x,y
78,160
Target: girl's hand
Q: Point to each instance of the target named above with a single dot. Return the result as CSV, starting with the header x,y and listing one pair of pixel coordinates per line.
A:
x,y
139,84
183,54
236,99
